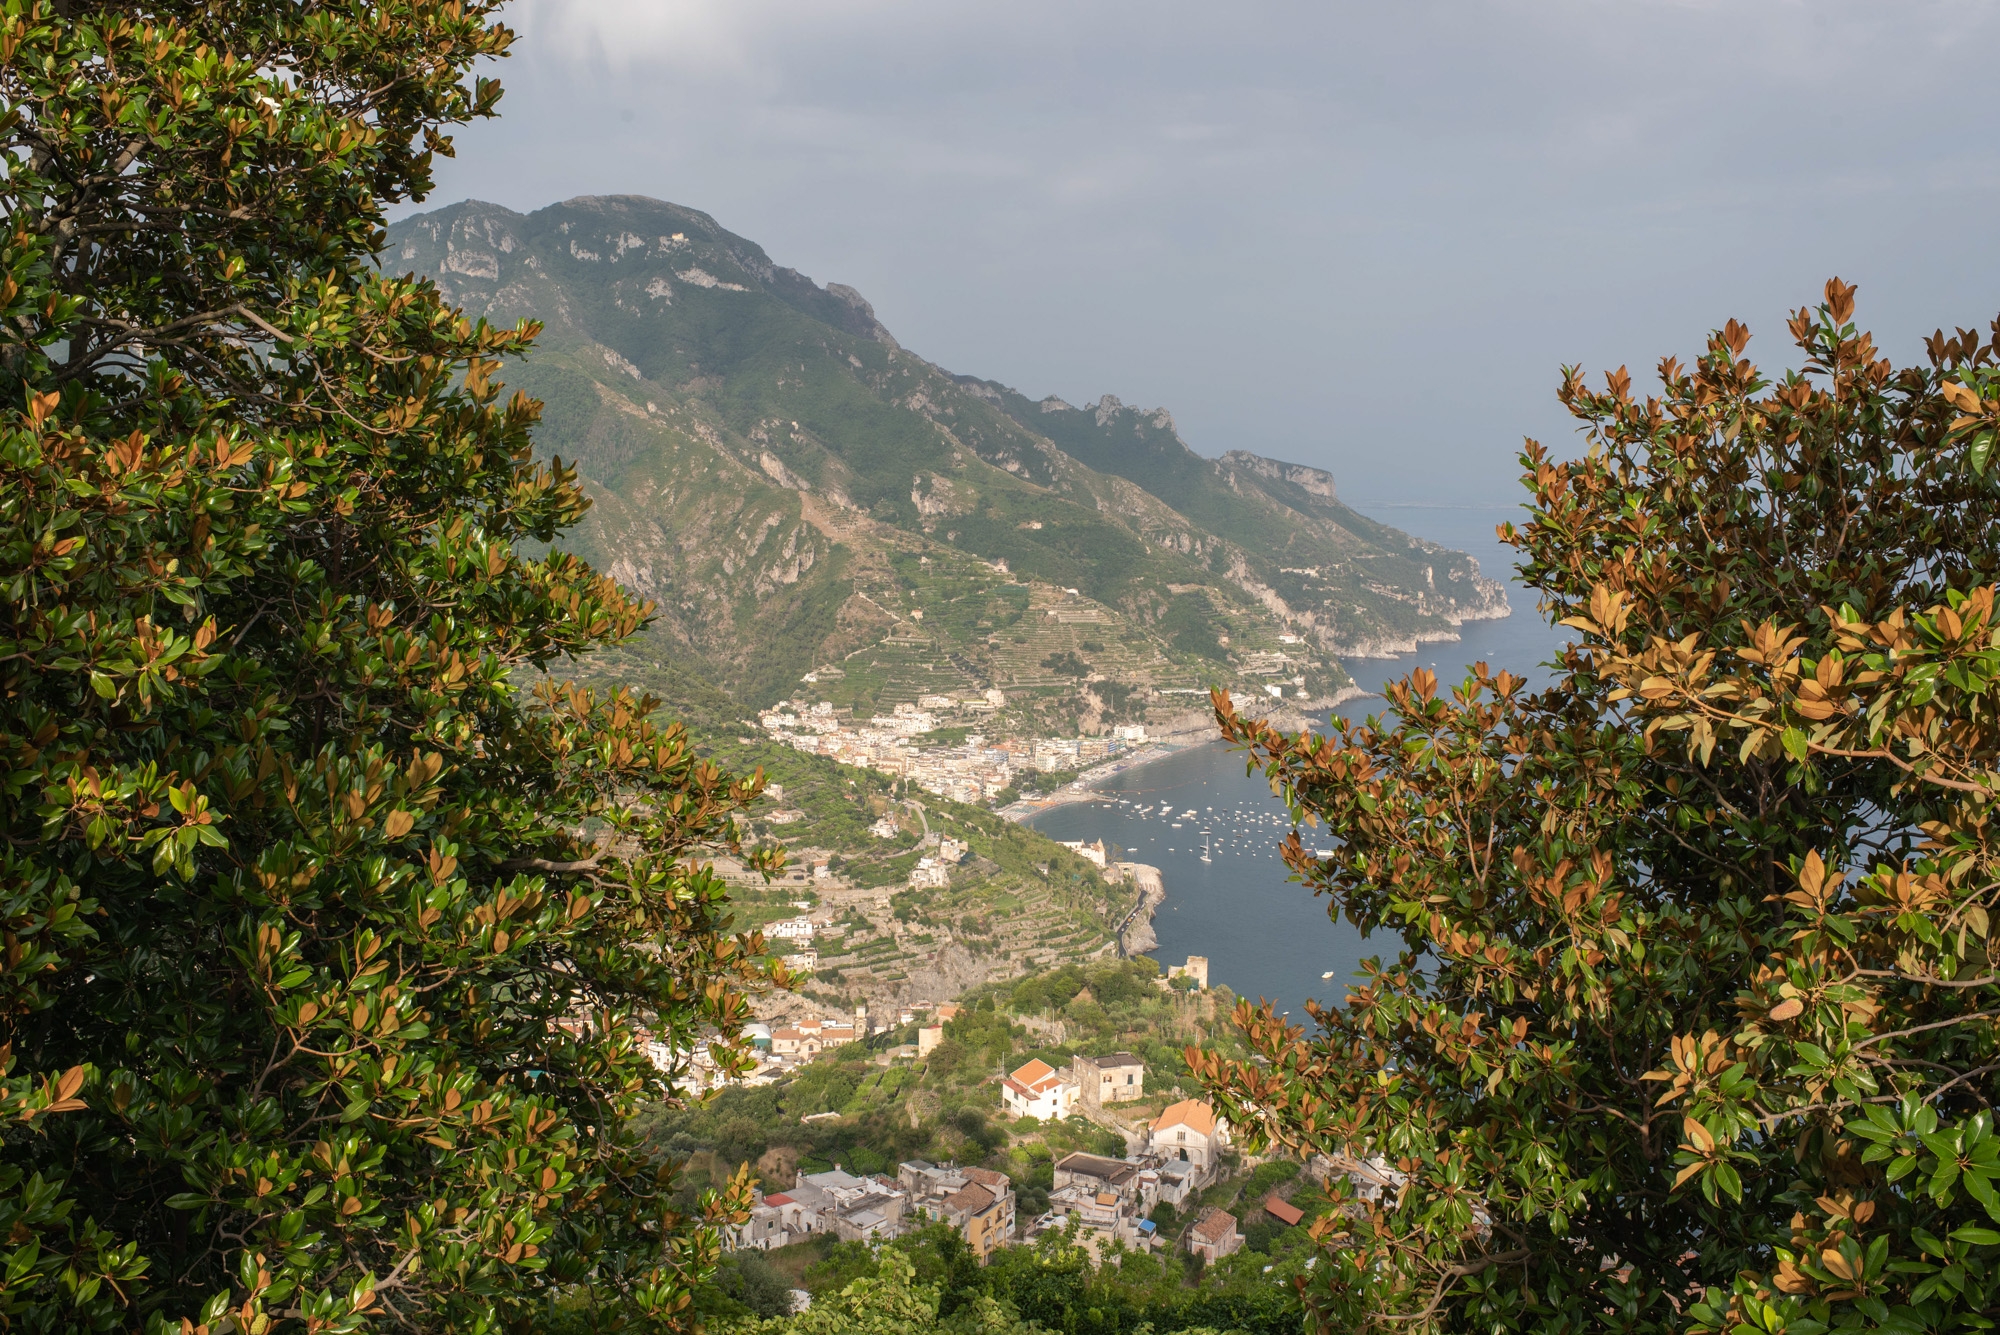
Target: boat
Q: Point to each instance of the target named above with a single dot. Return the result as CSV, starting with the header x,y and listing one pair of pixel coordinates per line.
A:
x,y
1204,848
1328,974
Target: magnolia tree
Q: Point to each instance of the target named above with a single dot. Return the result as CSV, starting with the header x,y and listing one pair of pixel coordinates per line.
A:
x,y
335,925
1694,1023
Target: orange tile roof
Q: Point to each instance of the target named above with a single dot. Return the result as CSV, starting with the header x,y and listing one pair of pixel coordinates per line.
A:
x,y
1033,1073
972,1199
1281,1210
1191,1113
1215,1225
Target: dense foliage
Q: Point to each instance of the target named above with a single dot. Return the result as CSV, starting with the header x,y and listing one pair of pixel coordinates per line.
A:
x,y
1694,1028
330,921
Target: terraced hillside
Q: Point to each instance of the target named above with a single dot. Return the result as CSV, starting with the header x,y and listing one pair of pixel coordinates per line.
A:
x,y
1018,903
802,495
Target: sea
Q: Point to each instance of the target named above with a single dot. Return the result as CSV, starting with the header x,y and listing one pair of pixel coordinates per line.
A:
x,y
1213,829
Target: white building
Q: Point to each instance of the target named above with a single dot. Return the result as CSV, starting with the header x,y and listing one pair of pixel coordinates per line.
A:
x,y
1055,753
906,721
1094,851
929,874
1190,1130
1038,1090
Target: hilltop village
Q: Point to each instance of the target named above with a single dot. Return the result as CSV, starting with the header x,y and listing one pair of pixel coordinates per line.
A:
x,y
969,768
1108,1199
1048,1105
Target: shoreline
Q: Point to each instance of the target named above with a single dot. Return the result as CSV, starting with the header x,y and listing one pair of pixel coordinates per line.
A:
x,y
1083,789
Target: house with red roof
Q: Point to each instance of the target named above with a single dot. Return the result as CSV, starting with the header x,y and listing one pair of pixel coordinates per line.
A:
x,y
1038,1090
1213,1236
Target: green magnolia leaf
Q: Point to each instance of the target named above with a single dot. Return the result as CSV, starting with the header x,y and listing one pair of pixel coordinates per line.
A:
x,y
287,562
1980,1187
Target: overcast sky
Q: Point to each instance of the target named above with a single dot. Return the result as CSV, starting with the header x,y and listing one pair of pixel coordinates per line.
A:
x,y
1362,236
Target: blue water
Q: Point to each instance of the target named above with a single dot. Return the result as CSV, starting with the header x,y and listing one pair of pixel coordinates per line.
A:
x,y
1263,933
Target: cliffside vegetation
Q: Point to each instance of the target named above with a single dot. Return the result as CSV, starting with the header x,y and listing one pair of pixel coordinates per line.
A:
x,y
928,1283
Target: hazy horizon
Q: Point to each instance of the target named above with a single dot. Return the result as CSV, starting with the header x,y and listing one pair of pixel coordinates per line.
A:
x,y
1360,238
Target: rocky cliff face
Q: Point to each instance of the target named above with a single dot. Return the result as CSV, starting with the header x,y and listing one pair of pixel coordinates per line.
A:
x,y
1313,481
1138,936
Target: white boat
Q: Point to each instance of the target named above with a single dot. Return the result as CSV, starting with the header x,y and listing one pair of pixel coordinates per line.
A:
x,y
1328,974
1204,848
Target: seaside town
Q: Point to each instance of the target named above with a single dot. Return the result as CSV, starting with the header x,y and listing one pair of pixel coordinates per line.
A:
x,y
975,770
1109,1198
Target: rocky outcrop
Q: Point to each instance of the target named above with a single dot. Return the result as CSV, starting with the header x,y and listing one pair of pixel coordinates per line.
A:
x,y
709,396
862,318
1316,481
1138,937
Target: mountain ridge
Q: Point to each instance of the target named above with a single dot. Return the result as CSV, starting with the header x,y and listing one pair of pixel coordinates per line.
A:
x,y
794,487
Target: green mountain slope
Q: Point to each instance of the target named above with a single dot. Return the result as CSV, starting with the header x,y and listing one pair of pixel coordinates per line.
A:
x,y
1363,586
802,495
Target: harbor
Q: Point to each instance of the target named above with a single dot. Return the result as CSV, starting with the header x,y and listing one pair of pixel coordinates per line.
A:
x,y
1190,809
